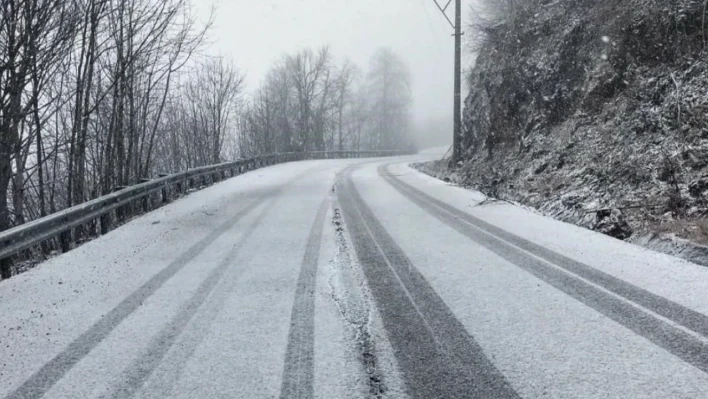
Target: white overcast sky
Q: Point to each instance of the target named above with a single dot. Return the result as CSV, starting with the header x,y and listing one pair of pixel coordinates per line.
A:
x,y
256,33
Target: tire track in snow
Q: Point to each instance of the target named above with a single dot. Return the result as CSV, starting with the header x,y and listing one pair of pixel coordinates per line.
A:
x,y
673,327
135,375
49,374
435,353
37,385
299,368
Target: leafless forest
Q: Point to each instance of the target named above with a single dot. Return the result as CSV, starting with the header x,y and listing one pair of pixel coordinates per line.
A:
x,y
96,95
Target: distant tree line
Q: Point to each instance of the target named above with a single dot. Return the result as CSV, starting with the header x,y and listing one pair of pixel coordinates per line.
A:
x,y
97,94
310,103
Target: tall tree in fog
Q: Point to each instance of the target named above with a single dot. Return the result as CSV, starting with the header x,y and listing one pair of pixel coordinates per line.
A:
x,y
308,102
213,97
389,86
310,75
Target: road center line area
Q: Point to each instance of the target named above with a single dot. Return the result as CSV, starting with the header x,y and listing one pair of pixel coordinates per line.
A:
x,y
438,357
352,279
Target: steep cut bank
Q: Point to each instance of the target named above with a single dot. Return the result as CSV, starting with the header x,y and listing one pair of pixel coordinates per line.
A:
x,y
594,112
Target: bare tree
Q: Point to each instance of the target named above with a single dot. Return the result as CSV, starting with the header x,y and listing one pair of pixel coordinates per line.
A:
x,y
309,74
84,85
34,36
347,75
203,116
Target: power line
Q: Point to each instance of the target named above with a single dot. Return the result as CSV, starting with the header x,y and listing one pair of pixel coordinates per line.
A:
x,y
432,30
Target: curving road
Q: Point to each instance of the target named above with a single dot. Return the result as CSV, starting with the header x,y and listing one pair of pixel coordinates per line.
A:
x,y
353,279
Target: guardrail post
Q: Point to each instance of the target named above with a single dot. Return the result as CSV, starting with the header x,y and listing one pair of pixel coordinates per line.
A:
x,y
105,221
164,195
120,211
146,198
65,240
5,268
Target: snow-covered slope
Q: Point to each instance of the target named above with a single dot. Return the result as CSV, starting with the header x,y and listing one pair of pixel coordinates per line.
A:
x,y
595,112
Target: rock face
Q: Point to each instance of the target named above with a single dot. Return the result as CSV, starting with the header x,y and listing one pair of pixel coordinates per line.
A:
x,y
580,105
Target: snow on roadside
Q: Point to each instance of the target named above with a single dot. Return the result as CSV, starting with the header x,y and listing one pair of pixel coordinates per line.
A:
x,y
674,278
667,243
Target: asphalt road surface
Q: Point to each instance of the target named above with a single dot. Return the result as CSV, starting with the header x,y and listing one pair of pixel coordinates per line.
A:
x,y
353,279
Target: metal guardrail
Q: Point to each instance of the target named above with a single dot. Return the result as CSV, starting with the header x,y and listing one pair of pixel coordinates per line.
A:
x,y
101,209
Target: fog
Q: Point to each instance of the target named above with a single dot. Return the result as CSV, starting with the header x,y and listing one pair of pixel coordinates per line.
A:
x,y
256,33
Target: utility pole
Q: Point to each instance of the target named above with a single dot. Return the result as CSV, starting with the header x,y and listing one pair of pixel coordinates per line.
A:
x,y
457,139
457,108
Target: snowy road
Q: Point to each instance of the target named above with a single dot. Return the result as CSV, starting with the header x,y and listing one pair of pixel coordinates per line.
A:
x,y
353,279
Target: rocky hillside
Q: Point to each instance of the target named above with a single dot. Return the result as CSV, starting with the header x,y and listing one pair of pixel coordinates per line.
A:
x,y
595,112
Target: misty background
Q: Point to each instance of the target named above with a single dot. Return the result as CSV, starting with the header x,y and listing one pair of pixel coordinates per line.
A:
x,y
256,34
